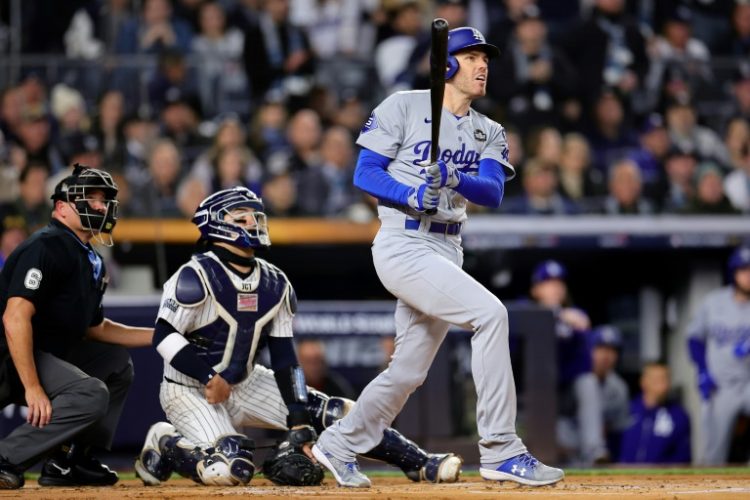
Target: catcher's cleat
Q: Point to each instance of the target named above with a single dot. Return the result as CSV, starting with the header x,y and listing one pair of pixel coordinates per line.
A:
x,y
440,468
76,470
150,466
524,469
11,476
346,473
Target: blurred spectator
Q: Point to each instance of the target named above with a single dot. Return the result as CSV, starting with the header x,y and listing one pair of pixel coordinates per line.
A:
x,y
81,37
680,167
172,81
280,195
517,158
709,195
11,113
659,430
110,17
710,20
179,122
607,49
303,135
243,14
221,79
154,31
680,63
540,196
81,148
736,42
416,74
533,80
153,192
549,289
139,131
190,194
392,54
593,435
625,191
277,55
505,25
230,135
334,26
34,135
190,11
312,360
545,145
13,232
610,135
739,107
578,181
108,129
69,110
688,135
650,155
231,169
31,206
268,129
719,347
737,183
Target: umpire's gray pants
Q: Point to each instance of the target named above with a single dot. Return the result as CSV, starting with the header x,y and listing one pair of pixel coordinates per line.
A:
x,y
87,393
423,271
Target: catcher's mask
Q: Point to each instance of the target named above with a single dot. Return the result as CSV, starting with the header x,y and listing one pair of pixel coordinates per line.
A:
x,y
251,227
77,189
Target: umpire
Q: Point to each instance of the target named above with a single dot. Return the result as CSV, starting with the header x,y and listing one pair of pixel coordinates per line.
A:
x,y
58,355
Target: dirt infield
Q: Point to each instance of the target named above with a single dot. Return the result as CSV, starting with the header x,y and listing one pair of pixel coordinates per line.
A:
x,y
672,486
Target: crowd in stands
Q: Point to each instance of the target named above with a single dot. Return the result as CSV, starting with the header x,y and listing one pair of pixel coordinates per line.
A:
x,y
610,106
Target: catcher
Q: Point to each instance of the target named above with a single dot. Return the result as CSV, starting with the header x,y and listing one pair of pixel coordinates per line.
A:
x,y
217,312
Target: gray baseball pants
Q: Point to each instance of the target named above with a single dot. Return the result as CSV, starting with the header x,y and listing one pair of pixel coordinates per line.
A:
x,y
423,270
87,393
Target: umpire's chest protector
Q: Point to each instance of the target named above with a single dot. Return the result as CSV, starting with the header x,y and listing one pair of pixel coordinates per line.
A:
x,y
229,342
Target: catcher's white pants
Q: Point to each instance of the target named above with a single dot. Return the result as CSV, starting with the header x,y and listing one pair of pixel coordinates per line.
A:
x,y
423,270
254,402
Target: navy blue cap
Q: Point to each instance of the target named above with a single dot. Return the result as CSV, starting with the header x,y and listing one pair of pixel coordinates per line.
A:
x,y
606,335
652,122
548,270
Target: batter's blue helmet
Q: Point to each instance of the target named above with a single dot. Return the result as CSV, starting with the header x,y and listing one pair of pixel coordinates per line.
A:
x,y
209,217
466,38
740,258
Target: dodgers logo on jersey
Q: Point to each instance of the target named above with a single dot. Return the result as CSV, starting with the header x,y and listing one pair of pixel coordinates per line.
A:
x,y
370,124
247,302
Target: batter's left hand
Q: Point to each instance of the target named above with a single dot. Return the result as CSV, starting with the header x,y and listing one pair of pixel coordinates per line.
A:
x,y
217,390
440,174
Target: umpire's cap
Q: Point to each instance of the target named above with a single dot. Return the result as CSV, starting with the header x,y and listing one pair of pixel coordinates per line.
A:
x,y
739,259
548,270
466,38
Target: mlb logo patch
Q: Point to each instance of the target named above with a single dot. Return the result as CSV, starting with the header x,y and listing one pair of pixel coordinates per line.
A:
x,y
247,302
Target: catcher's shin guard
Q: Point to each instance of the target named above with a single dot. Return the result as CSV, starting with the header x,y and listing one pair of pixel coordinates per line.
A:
x,y
416,463
237,452
152,465
184,460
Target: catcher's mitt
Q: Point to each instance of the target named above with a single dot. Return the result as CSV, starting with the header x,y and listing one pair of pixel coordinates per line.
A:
x,y
289,466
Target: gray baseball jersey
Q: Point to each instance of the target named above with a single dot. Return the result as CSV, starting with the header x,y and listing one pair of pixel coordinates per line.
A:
x,y
400,127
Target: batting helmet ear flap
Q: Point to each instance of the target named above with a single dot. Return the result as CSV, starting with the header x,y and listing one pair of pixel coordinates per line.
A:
x,y
452,67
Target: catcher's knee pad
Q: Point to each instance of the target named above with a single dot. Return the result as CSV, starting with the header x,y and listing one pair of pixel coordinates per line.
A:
x,y
229,462
325,410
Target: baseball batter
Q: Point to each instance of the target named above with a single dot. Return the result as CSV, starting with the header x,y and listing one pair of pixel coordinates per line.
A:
x,y
719,343
217,312
418,258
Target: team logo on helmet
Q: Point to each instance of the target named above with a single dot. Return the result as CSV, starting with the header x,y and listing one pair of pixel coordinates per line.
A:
x,y
211,219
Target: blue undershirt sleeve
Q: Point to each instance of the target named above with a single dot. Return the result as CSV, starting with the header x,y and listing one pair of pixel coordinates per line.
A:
x,y
371,176
698,353
487,188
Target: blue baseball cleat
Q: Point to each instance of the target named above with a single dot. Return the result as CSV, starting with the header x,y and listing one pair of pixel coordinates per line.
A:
x,y
524,469
346,473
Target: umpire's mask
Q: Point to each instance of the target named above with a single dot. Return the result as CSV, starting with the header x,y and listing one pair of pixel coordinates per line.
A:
x,y
77,189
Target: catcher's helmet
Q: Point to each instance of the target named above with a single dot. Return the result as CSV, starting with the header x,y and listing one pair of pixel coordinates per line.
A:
x,y
739,259
466,38
209,217
77,189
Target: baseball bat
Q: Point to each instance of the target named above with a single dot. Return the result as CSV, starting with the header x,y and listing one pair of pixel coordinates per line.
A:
x,y
438,64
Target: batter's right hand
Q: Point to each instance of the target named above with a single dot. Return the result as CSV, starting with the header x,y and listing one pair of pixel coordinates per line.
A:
x,y
706,385
217,390
40,408
424,198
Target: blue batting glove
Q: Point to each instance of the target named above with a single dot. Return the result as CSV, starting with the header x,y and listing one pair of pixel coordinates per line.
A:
x,y
706,385
424,198
742,349
440,174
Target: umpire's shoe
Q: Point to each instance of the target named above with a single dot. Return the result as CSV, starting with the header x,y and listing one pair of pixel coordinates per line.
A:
x,y
11,476
346,473
524,469
439,468
76,468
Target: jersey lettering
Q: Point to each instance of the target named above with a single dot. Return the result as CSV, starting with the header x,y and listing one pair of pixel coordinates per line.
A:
x,y
33,279
459,157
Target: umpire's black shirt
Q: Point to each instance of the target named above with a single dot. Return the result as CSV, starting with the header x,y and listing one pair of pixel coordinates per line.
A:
x,y
56,271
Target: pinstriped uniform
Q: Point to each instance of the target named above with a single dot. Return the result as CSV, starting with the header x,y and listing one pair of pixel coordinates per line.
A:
x,y
255,399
